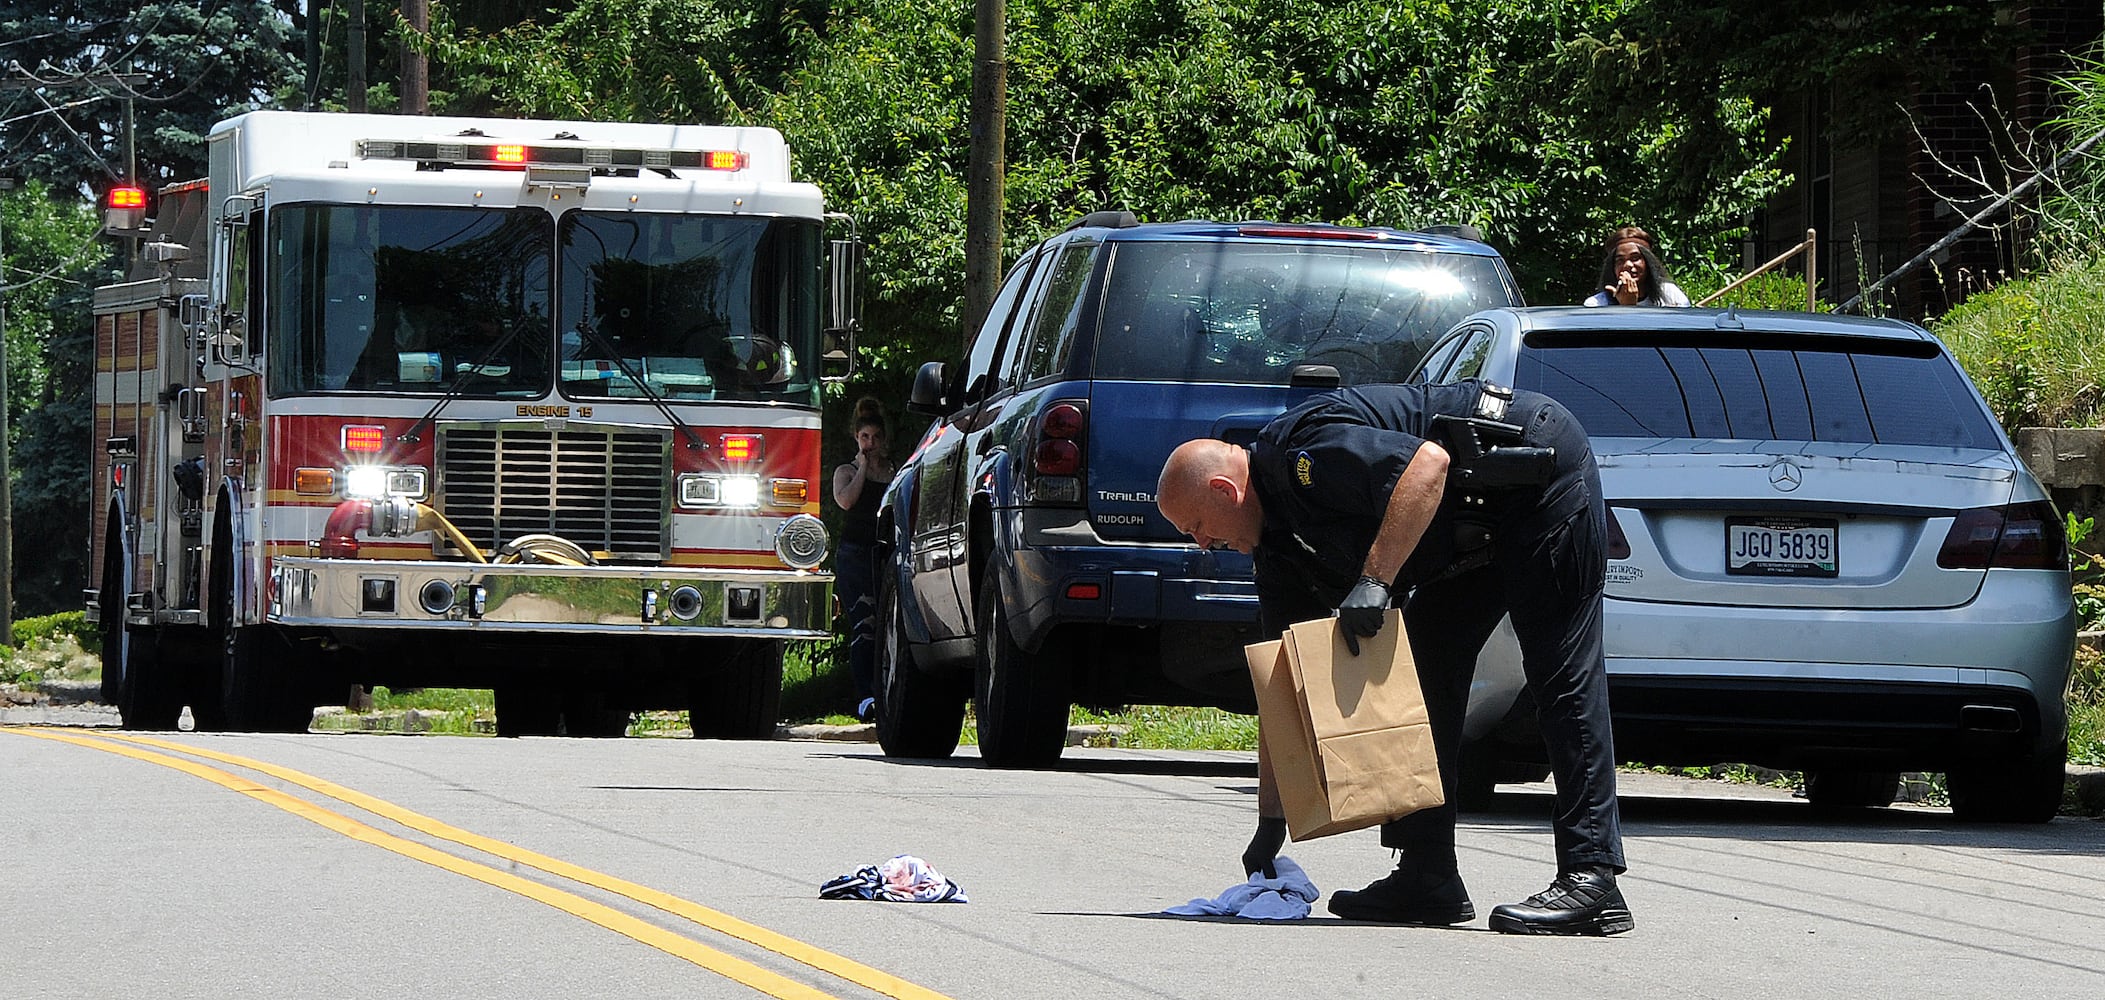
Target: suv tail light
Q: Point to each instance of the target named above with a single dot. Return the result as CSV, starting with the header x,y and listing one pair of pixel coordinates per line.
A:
x,y
2017,536
1618,543
1056,457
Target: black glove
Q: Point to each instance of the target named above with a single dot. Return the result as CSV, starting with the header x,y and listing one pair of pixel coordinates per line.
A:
x,y
1264,847
1362,611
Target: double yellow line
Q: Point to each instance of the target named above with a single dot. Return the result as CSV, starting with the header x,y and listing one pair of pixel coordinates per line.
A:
x,y
729,966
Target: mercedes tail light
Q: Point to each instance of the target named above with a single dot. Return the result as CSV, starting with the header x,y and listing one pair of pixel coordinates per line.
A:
x,y
1056,457
1618,543
2016,536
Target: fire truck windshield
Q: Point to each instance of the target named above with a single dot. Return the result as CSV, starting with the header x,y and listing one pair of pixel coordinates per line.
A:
x,y
410,300
693,306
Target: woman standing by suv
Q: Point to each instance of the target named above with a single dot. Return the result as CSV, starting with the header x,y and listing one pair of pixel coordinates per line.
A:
x,y
858,486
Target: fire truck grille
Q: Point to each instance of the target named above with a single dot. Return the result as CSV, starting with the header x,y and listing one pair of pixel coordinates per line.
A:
x,y
603,489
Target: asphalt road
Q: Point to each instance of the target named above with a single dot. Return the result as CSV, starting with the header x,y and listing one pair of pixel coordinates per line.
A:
x,y
129,877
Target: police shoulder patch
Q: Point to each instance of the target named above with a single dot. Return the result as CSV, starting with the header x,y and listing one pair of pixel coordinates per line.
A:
x,y
1304,469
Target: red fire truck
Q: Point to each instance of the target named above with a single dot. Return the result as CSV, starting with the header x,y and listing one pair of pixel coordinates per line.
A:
x,y
492,403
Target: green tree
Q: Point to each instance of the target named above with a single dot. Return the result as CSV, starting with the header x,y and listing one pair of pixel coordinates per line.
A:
x,y
53,261
199,62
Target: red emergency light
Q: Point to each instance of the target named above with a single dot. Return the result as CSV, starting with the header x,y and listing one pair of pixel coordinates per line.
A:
x,y
364,439
741,447
508,154
124,210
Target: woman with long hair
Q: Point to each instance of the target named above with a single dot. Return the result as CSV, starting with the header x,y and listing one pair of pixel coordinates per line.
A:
x,y
1631,274
858,487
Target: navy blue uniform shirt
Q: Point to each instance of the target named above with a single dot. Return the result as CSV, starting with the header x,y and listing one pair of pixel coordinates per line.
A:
x,y
1324,471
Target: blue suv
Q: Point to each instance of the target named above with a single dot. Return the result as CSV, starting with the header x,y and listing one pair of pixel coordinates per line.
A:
x,y
1025,565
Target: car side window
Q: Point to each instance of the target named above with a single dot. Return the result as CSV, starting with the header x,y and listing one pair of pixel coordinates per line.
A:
x,y
1026,318
1469,360
979,372
1441,355
1059,313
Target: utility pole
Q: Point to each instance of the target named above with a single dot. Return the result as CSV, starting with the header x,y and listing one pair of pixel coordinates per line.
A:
x,y
354,80
7,498
416,70
983,177
312,95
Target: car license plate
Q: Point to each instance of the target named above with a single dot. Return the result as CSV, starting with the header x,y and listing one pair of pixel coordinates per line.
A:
x,y
1780,546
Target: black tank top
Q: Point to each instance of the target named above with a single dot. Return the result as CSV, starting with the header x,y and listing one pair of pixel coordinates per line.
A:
x,y
859,523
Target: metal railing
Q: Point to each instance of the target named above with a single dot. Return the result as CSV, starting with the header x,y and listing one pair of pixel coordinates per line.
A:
x,y
1810,248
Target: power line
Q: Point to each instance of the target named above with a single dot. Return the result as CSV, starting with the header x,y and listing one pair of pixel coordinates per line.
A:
x,y
84,251
53,110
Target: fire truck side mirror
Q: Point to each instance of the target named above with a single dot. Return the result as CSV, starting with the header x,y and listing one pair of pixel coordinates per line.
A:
x,y
229,338
843,309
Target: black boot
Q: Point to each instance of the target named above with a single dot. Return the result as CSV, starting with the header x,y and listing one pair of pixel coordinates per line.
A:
x,y
1585,901
1409,895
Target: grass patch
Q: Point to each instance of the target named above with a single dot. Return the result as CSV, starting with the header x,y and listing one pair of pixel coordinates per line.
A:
x,y
1156,727
815,682
2086,708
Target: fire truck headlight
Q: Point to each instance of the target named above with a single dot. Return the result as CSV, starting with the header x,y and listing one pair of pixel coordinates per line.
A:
x,y
700,491
410,483
741,491
365,482
801,541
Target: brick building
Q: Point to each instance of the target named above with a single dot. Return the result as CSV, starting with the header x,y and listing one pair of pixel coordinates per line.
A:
x,y
1877,201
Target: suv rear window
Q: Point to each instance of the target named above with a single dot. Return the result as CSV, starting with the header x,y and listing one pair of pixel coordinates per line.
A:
x,y
1248,311
1801,389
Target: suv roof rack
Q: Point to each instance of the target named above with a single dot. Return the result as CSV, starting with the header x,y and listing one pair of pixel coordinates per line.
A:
x,y
1106,220
1457,230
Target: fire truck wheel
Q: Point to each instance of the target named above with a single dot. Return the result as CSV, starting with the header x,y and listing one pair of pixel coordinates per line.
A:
x,y
151,697
587,713
737,697
527,708
1020,699
110,603
259,687
919,714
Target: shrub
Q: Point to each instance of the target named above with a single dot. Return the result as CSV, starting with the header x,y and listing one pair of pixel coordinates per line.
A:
x,y
48,627
2035,346
1774,290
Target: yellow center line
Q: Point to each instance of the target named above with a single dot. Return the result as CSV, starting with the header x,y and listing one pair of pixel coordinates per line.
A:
x,y
729,966
716,920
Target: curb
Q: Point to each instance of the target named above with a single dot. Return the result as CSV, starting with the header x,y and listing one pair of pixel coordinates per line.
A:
x,y
2087,784
1077,736
71,692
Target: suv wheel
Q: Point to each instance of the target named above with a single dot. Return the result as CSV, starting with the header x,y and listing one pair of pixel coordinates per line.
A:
x,y
919,714
1021,699
2028,791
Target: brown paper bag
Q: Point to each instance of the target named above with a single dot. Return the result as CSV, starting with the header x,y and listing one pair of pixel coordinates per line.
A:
x,y
1348,736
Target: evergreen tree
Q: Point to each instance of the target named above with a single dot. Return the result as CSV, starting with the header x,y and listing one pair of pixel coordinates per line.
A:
x,y
179,67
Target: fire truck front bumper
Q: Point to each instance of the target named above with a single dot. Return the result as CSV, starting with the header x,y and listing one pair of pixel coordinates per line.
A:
x,y
536,597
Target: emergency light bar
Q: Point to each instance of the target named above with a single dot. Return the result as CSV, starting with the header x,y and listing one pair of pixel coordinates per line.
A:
x,y
515,155
124,209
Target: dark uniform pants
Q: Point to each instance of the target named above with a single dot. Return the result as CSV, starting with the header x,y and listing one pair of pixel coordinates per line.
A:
x,y
1546,571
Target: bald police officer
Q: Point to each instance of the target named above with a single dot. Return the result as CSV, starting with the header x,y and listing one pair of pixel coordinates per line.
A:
x,y
1460,503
